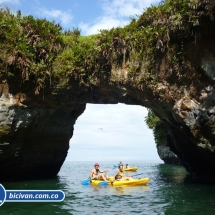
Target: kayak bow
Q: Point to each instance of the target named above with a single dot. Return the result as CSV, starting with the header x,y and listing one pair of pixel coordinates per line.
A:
x,y
131,169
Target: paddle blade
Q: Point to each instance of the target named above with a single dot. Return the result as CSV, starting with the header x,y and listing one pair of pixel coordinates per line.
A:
x,y
114,167
86,181
103,183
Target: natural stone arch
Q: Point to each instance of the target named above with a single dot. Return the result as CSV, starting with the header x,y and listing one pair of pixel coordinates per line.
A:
x,y
36,139
172,74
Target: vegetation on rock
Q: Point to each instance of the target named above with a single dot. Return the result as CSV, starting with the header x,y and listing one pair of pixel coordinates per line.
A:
x,y
28,47
39,55
158,127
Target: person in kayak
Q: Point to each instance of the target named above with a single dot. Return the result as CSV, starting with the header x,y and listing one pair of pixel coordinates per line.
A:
x,y
94,174
119,176
127,166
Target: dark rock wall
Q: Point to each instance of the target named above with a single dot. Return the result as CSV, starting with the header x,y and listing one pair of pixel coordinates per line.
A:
x,y
167,155
34,140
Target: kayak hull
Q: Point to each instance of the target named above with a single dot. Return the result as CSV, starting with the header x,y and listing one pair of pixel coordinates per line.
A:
x,y
131,169
132,182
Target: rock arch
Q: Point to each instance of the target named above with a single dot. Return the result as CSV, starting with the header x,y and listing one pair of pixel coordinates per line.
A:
x,y
174,77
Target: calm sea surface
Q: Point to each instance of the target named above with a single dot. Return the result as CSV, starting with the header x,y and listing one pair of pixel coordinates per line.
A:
x,y
169,192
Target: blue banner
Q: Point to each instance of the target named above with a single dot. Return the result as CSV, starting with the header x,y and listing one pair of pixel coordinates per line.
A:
x,y
30,195
34,195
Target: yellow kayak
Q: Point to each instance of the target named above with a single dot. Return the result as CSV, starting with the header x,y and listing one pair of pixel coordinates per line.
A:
x,y
132,182
131,169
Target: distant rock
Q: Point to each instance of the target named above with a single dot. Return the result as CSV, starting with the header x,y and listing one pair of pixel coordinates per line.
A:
x,y
167,156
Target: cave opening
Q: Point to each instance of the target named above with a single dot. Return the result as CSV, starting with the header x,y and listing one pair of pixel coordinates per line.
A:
x,y
112,133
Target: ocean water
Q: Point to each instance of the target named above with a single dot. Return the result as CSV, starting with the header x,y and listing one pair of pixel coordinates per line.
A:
x,y
169,191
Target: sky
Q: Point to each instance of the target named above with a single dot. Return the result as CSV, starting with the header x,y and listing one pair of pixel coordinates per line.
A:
x,y
88,15
124,135
113,132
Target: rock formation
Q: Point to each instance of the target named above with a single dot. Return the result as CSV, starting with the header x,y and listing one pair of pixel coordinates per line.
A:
x,y
167,65
167,155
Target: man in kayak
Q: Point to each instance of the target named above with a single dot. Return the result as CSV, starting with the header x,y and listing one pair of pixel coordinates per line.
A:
x,y
119,176
94,174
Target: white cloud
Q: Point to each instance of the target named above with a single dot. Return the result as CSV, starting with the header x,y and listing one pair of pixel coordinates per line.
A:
x,y
106,22
9,1
116,13
64,17
123,8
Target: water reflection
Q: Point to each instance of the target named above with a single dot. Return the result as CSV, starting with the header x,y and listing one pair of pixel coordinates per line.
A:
x,y
171,173
121,190
184,194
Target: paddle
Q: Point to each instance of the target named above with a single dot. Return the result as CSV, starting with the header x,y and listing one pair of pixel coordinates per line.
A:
x,y
87,181
137,174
